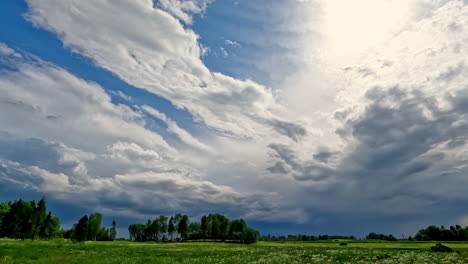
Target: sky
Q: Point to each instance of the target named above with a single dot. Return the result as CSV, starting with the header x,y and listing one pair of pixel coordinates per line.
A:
x,y
300,116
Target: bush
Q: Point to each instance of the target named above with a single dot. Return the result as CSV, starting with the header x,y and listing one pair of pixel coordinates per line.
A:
x,y
343,244
441,248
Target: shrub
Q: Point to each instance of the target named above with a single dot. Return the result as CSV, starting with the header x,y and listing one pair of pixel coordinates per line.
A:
x,y
441,248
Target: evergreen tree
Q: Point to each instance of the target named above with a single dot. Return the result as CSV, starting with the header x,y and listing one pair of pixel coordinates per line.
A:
x,y
113,231
81,229
39,218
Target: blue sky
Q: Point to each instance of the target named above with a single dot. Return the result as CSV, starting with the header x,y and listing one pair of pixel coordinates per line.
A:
x,y
299,116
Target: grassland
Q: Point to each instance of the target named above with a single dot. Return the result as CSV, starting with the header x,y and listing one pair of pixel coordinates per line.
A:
x,y
63,251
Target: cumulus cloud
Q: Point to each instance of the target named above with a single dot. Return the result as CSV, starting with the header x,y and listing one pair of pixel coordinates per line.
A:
x,y
155,52
184,9
95,152
404,125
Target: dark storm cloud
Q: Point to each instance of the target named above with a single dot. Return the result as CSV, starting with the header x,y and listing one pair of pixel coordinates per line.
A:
x,y
324,156
301,171
395,131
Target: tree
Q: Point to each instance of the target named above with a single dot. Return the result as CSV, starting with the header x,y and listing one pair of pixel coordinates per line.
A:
x,y
195,230
171,227
113,231
218,226
4,209
38,219
182,227
249,236
24,219
236,228
81,229
136,232
151,230
103,234
94,224
50,227
204,226
162,225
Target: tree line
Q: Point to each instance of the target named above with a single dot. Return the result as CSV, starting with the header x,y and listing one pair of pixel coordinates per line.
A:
x,y
453,233
27,220
89,228
376,236
211,227
300,237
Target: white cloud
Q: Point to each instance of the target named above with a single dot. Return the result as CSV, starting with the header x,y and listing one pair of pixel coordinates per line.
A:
x,y
155,52
67,139
7,51
83,108
183,135
184,9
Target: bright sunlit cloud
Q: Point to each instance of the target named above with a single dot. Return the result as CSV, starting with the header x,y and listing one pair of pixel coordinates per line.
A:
x,y
351,27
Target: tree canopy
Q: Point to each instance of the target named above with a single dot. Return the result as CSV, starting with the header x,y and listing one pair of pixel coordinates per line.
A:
x,y
27,220
212,227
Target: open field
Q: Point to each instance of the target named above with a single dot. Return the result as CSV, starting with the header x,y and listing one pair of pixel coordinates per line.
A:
x,y
62,251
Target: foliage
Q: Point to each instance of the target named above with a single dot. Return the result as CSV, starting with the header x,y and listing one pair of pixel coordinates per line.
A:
x,y
182,227
151,231
211,227
89,228
113,231
94,226
25,219
171,227
303,238
454,233
249,236
81,229
441,248
373,235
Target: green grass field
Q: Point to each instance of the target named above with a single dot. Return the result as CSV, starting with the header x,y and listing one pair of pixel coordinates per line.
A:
x,y
62,251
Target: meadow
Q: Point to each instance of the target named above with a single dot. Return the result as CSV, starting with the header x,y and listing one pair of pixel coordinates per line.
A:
x,y
65,251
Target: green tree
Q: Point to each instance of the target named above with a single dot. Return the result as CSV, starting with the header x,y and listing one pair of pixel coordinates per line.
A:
x,y
25,220
218,226
171,227
103,234
113,231
236,228
136,232
195,230
81,229
204,226
50,227
182,227
4,209
94,224
249,236
162,225
39,218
